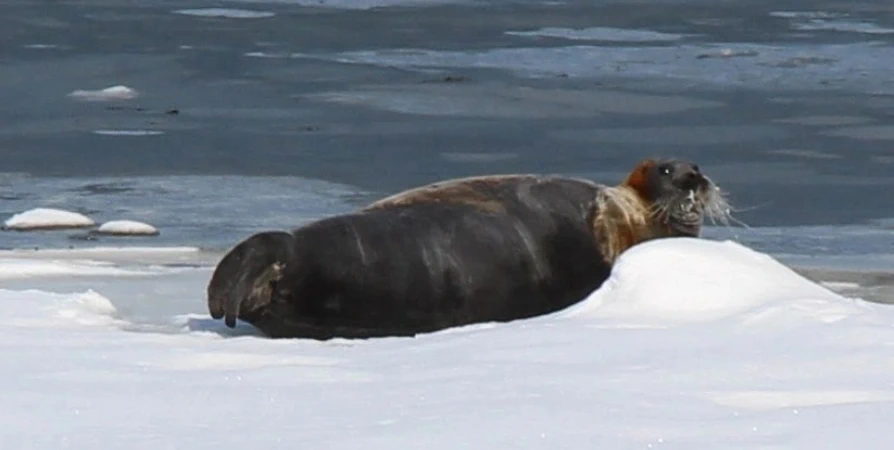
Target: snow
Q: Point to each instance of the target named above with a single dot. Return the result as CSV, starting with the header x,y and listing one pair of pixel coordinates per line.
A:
x,y
47,218
118,92
14,268
98,252
655,293
691,344
127,228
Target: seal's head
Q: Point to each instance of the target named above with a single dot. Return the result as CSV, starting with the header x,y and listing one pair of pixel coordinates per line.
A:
x,y
678,194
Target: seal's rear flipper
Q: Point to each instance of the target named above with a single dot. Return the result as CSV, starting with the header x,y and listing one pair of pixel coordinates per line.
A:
x,y
243,278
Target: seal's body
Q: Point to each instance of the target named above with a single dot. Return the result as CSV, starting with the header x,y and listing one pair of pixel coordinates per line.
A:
x,y
464,251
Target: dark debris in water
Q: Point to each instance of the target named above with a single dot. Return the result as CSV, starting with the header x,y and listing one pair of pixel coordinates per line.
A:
x,y
454,79
83,237
104,188
140,109
449,79
125,108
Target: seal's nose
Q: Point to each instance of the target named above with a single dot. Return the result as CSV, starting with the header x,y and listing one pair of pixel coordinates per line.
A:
x,y
689,177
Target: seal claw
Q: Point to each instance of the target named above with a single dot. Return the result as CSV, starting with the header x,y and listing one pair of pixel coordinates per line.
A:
x,y
243,280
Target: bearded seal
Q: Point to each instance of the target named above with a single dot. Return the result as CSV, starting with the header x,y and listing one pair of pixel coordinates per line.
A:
x,y
462,251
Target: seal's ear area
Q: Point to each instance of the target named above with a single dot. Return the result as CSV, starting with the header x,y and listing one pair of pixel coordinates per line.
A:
x,y
243,279
639,177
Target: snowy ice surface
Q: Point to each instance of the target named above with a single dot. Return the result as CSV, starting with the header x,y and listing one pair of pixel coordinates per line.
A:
x,y
118,92
13,268
127,227
226,12
47,218
691,344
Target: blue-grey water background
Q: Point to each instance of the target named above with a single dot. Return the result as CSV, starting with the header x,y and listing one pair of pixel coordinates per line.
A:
x,y
254,115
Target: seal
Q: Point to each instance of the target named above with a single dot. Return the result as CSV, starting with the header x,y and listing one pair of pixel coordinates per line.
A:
x,y
461,251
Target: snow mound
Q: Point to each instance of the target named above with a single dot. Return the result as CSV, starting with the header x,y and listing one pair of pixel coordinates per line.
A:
x,y
47,219
88,308
38,309
110,93
687,279
127,228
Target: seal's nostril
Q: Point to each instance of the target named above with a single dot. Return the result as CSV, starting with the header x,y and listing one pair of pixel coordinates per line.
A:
x,y
690,180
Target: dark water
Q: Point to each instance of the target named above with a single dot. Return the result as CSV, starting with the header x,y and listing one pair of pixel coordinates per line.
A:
x,y
787,105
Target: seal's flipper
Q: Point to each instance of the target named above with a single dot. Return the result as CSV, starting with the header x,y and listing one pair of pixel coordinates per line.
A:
x,y
244,277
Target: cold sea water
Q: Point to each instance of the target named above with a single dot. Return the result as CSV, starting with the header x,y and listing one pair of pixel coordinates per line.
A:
x,y
253,115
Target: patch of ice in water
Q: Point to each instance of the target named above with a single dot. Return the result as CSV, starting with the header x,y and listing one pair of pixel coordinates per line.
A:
x,y
41,46
228,13
47,219
118,92
600,34
127,228
805,14
354,4
829,21
849,26
497,101
128,132
206,211
864,132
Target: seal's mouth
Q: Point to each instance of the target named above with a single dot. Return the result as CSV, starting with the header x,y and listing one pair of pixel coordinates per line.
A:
x,y
685,212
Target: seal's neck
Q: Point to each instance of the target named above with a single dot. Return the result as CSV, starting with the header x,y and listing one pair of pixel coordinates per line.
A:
x,y
622,219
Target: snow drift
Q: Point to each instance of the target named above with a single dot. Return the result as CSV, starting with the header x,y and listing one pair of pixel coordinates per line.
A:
x,y
691,344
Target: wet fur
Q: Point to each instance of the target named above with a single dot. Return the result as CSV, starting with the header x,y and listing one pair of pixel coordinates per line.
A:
x,y
493,248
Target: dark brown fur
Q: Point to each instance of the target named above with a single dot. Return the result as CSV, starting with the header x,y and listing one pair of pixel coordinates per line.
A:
x,y
463,251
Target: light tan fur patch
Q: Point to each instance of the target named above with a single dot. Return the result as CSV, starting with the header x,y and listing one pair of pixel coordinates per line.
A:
x,y
622,220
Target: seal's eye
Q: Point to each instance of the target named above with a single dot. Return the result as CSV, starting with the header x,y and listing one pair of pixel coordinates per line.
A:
x,y
695,168
664,170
